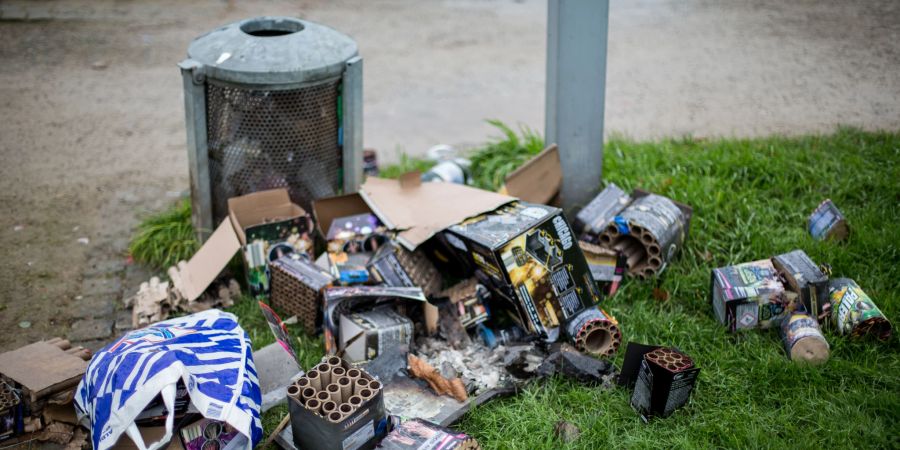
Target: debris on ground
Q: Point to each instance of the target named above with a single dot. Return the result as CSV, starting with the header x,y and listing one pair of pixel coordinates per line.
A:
x,y
37,385
827,222
793,294
335,404
662,377
417,434
441,385
565,360
566,432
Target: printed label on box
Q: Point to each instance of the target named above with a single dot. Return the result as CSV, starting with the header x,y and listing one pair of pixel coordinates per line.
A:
x,y
360,436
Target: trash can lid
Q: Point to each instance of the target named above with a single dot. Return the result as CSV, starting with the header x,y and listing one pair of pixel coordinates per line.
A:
x,y
271,51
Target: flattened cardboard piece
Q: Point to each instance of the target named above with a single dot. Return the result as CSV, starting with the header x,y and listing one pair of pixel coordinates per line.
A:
x,y
203,268
326,210
419,212
276,371
538,180
42,368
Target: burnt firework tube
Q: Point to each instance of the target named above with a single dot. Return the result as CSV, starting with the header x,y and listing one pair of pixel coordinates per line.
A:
x,y
803,341
596,332
853,313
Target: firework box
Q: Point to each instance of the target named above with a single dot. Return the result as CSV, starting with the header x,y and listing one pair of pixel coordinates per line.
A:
x,y
366,335
748,296
208,434
531,259
265,225
660,389
345,300
362,429
11,410
417,434
805,278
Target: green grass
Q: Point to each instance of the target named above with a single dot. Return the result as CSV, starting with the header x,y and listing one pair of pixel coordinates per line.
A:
x,y
751,199
492,162
164,239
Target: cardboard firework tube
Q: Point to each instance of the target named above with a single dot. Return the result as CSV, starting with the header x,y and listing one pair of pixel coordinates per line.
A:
x,y
302,383
324,373
334,392
803,341
293,391
361,383
315,379
346,409
595,332
337,372
366,394
308,393
669,359
313,405
353,375
346,388
853,313
335,417
334,361
322,396
375,386
329,407
355,401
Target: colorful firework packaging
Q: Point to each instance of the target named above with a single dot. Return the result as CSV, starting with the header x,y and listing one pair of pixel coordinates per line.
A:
x,y
853,313
802,276
417,434
748,296
803,341
530,260
828,223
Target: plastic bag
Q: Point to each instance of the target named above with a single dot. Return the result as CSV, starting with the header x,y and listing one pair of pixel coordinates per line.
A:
x,y
208,351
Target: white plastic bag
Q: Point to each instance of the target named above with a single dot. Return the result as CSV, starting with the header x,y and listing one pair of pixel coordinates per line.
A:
x,y
207,351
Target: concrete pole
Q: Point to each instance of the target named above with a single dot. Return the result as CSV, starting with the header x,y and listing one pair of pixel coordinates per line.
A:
x,y
576,92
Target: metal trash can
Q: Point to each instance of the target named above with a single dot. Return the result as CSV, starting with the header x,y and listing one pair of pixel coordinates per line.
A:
x,y
271,102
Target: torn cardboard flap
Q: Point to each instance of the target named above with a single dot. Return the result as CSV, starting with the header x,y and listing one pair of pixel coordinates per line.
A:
x,y
538,180
244,212
208,262
418,212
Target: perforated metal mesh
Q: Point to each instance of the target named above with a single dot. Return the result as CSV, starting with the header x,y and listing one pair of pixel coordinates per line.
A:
x,y
262,139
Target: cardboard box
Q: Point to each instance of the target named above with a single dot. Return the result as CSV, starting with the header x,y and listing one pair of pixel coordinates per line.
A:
x,y
805,278
343,300
361,429
828,223
208,434
266,225
365,335
297,288
600,211
748,296
530,255
417,434
665,381
537,180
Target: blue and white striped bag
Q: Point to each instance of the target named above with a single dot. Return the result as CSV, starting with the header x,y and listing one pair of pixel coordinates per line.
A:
x,y
208,351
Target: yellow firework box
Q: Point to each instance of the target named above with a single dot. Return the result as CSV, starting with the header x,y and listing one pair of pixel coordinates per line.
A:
x,y
853,313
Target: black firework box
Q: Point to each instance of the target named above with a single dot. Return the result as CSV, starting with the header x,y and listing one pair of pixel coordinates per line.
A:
x,y
530,259
664,383
804,277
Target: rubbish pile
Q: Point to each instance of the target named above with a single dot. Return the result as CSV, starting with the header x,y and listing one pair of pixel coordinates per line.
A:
x,y
791,293
37,385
